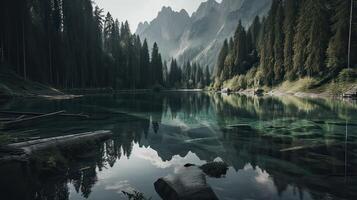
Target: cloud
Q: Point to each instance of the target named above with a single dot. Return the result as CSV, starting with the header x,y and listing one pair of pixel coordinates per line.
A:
x,y
120,186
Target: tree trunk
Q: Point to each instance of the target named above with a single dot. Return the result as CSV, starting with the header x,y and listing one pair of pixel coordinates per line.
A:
x,y
50,60
24,48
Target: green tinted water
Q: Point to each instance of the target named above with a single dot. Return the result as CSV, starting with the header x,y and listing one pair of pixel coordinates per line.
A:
x,y
276,147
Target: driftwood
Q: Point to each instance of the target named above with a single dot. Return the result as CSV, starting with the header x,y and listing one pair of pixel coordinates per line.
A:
x,y
61,141
38,114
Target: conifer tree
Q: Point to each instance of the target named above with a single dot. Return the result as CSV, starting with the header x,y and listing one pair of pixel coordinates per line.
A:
x,y
221,59
338,44
279,44
240,51
290,12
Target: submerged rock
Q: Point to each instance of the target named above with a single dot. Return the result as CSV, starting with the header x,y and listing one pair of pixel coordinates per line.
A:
x,y
189,182
215,169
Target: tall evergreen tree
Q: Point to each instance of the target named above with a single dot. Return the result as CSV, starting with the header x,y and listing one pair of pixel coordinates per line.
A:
x,y
240,50
338,45
221,59
290,12
279,68
309,57
267,48
156,65
145,64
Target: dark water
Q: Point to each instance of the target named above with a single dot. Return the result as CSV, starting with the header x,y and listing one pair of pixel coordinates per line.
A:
x,y
282,148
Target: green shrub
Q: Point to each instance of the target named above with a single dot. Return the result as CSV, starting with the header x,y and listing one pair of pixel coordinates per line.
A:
x,y
347,75
250,77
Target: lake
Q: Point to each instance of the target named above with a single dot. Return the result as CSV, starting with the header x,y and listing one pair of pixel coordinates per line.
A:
x,y
276,147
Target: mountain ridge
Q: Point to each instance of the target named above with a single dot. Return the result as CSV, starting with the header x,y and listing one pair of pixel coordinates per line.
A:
x,y
198,38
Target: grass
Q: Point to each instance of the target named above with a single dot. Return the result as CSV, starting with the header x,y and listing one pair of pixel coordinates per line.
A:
x,y
343,82
301,85
12,84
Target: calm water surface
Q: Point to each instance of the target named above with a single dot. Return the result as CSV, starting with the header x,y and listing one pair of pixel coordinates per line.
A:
x,y
288,148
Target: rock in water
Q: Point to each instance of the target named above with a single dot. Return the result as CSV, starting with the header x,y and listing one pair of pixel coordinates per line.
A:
x,y
215,169
188,183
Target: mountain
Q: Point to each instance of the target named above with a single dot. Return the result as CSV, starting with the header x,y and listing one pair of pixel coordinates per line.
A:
x,y
199,37
166,29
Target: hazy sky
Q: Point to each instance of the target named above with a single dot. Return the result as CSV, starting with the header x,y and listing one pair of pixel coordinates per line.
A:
x,y
136,11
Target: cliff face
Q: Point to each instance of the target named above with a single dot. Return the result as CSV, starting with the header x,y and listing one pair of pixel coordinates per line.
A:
x,y
199,37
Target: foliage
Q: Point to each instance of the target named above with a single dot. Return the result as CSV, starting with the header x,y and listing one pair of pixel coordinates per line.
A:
x,y
297,39
347,75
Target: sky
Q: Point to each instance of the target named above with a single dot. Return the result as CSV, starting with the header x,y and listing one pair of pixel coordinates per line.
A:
x,y
136,11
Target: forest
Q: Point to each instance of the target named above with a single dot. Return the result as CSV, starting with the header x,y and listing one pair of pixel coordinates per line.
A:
x,y
297,39
72,44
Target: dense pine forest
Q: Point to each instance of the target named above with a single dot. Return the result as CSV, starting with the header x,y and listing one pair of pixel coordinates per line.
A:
x,y
70,44
188,76
297,39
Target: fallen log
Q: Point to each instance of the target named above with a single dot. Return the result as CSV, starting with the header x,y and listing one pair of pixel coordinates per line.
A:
x,y
36,114
21,121
61,141
240,126
7,119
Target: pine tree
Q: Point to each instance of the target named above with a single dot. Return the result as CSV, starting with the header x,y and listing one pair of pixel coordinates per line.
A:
x,y
145,64
338,45
311,38
156,66
290,12
267,48
279,44
319,36
254,30
240,51
108,35
221,59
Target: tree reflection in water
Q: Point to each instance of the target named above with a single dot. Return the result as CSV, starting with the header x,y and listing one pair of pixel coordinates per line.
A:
x,y
299,143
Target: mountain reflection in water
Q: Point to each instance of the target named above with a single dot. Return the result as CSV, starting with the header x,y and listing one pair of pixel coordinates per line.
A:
x,y
276,147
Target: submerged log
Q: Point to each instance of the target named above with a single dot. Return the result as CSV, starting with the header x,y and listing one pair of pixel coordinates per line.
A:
x,y
21,121
37,114
61,141
240,126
